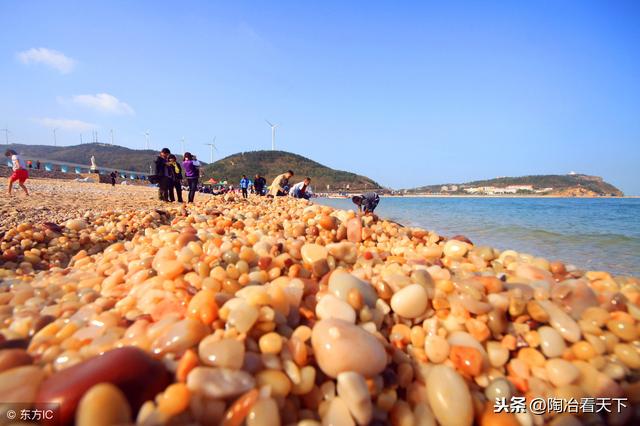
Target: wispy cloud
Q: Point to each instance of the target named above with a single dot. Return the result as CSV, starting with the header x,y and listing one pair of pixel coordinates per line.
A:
x,y
49,57
65,124
102,102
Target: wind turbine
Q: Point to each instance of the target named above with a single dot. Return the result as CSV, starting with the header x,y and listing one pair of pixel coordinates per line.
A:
x,y
273,134
182,145
146,137
111,136
55,139
212,145
6,134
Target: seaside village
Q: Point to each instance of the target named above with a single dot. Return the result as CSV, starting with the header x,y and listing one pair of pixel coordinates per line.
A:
x,y
493,190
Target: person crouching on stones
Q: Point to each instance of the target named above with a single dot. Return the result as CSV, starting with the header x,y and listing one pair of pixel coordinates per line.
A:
x,y
302,189
367,202
280,185
20,172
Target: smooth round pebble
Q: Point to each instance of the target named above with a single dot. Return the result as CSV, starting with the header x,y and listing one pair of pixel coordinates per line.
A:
x,y
352,388
330,306
410,301
219,382
103,405
340,346
225,353
561,372
436,348
449,396
551,342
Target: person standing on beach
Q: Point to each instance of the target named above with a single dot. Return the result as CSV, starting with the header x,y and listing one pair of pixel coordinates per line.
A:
x,y
258,184
113,176
302,189
191,172
367,202
280,185
162,174
20,172
244,186
175,171
38,164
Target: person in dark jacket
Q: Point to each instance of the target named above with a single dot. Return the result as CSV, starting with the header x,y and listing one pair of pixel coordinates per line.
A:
x,y
367,202
175,171
191,167
113,175
162,174
258,184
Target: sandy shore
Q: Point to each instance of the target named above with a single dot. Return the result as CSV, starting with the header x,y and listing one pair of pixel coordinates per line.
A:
x,y
278,311
52,200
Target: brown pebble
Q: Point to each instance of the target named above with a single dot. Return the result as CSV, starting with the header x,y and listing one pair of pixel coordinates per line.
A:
x,y
10,358
133,371
14,344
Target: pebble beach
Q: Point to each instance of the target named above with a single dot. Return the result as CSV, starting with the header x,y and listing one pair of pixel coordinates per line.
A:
x,y
126,310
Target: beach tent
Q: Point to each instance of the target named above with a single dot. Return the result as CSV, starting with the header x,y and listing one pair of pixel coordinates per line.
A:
x,y
211,181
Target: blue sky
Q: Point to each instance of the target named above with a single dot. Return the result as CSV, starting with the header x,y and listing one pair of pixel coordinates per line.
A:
x,y
408,93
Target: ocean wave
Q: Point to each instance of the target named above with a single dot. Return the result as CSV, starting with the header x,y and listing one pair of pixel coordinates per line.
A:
x,y
603,238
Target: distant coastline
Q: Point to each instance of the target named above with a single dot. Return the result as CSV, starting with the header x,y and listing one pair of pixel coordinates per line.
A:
x,y
608,197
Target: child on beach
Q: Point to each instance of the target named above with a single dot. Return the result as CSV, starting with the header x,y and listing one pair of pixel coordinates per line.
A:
x,y
367,202
244,186
20,172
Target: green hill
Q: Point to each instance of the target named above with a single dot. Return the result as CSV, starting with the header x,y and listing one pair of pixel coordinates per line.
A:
x,y
571,184
113,156
272,163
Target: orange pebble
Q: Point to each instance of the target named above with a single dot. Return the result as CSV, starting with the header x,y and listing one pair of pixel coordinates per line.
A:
x,y
491,418
491,284
509,342
203,307
468,360
519,382
187,363
166,307
174,400
239,410
478,329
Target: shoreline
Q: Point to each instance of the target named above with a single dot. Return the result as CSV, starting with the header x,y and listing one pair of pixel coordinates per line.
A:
x,y
256,306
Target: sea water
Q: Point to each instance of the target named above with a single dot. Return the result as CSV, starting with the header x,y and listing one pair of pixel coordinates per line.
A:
x,y
590,233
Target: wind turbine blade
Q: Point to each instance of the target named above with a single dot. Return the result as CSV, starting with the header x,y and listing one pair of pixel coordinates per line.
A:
x,y
268,122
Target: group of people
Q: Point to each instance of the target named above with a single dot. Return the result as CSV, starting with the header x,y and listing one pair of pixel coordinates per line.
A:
x,y
279,187
169,175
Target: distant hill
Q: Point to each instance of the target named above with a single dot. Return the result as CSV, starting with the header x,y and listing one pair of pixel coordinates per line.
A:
x,y
578,185
112,156
272,163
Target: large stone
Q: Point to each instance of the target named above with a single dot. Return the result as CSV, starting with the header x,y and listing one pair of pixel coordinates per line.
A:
x,y
340,346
